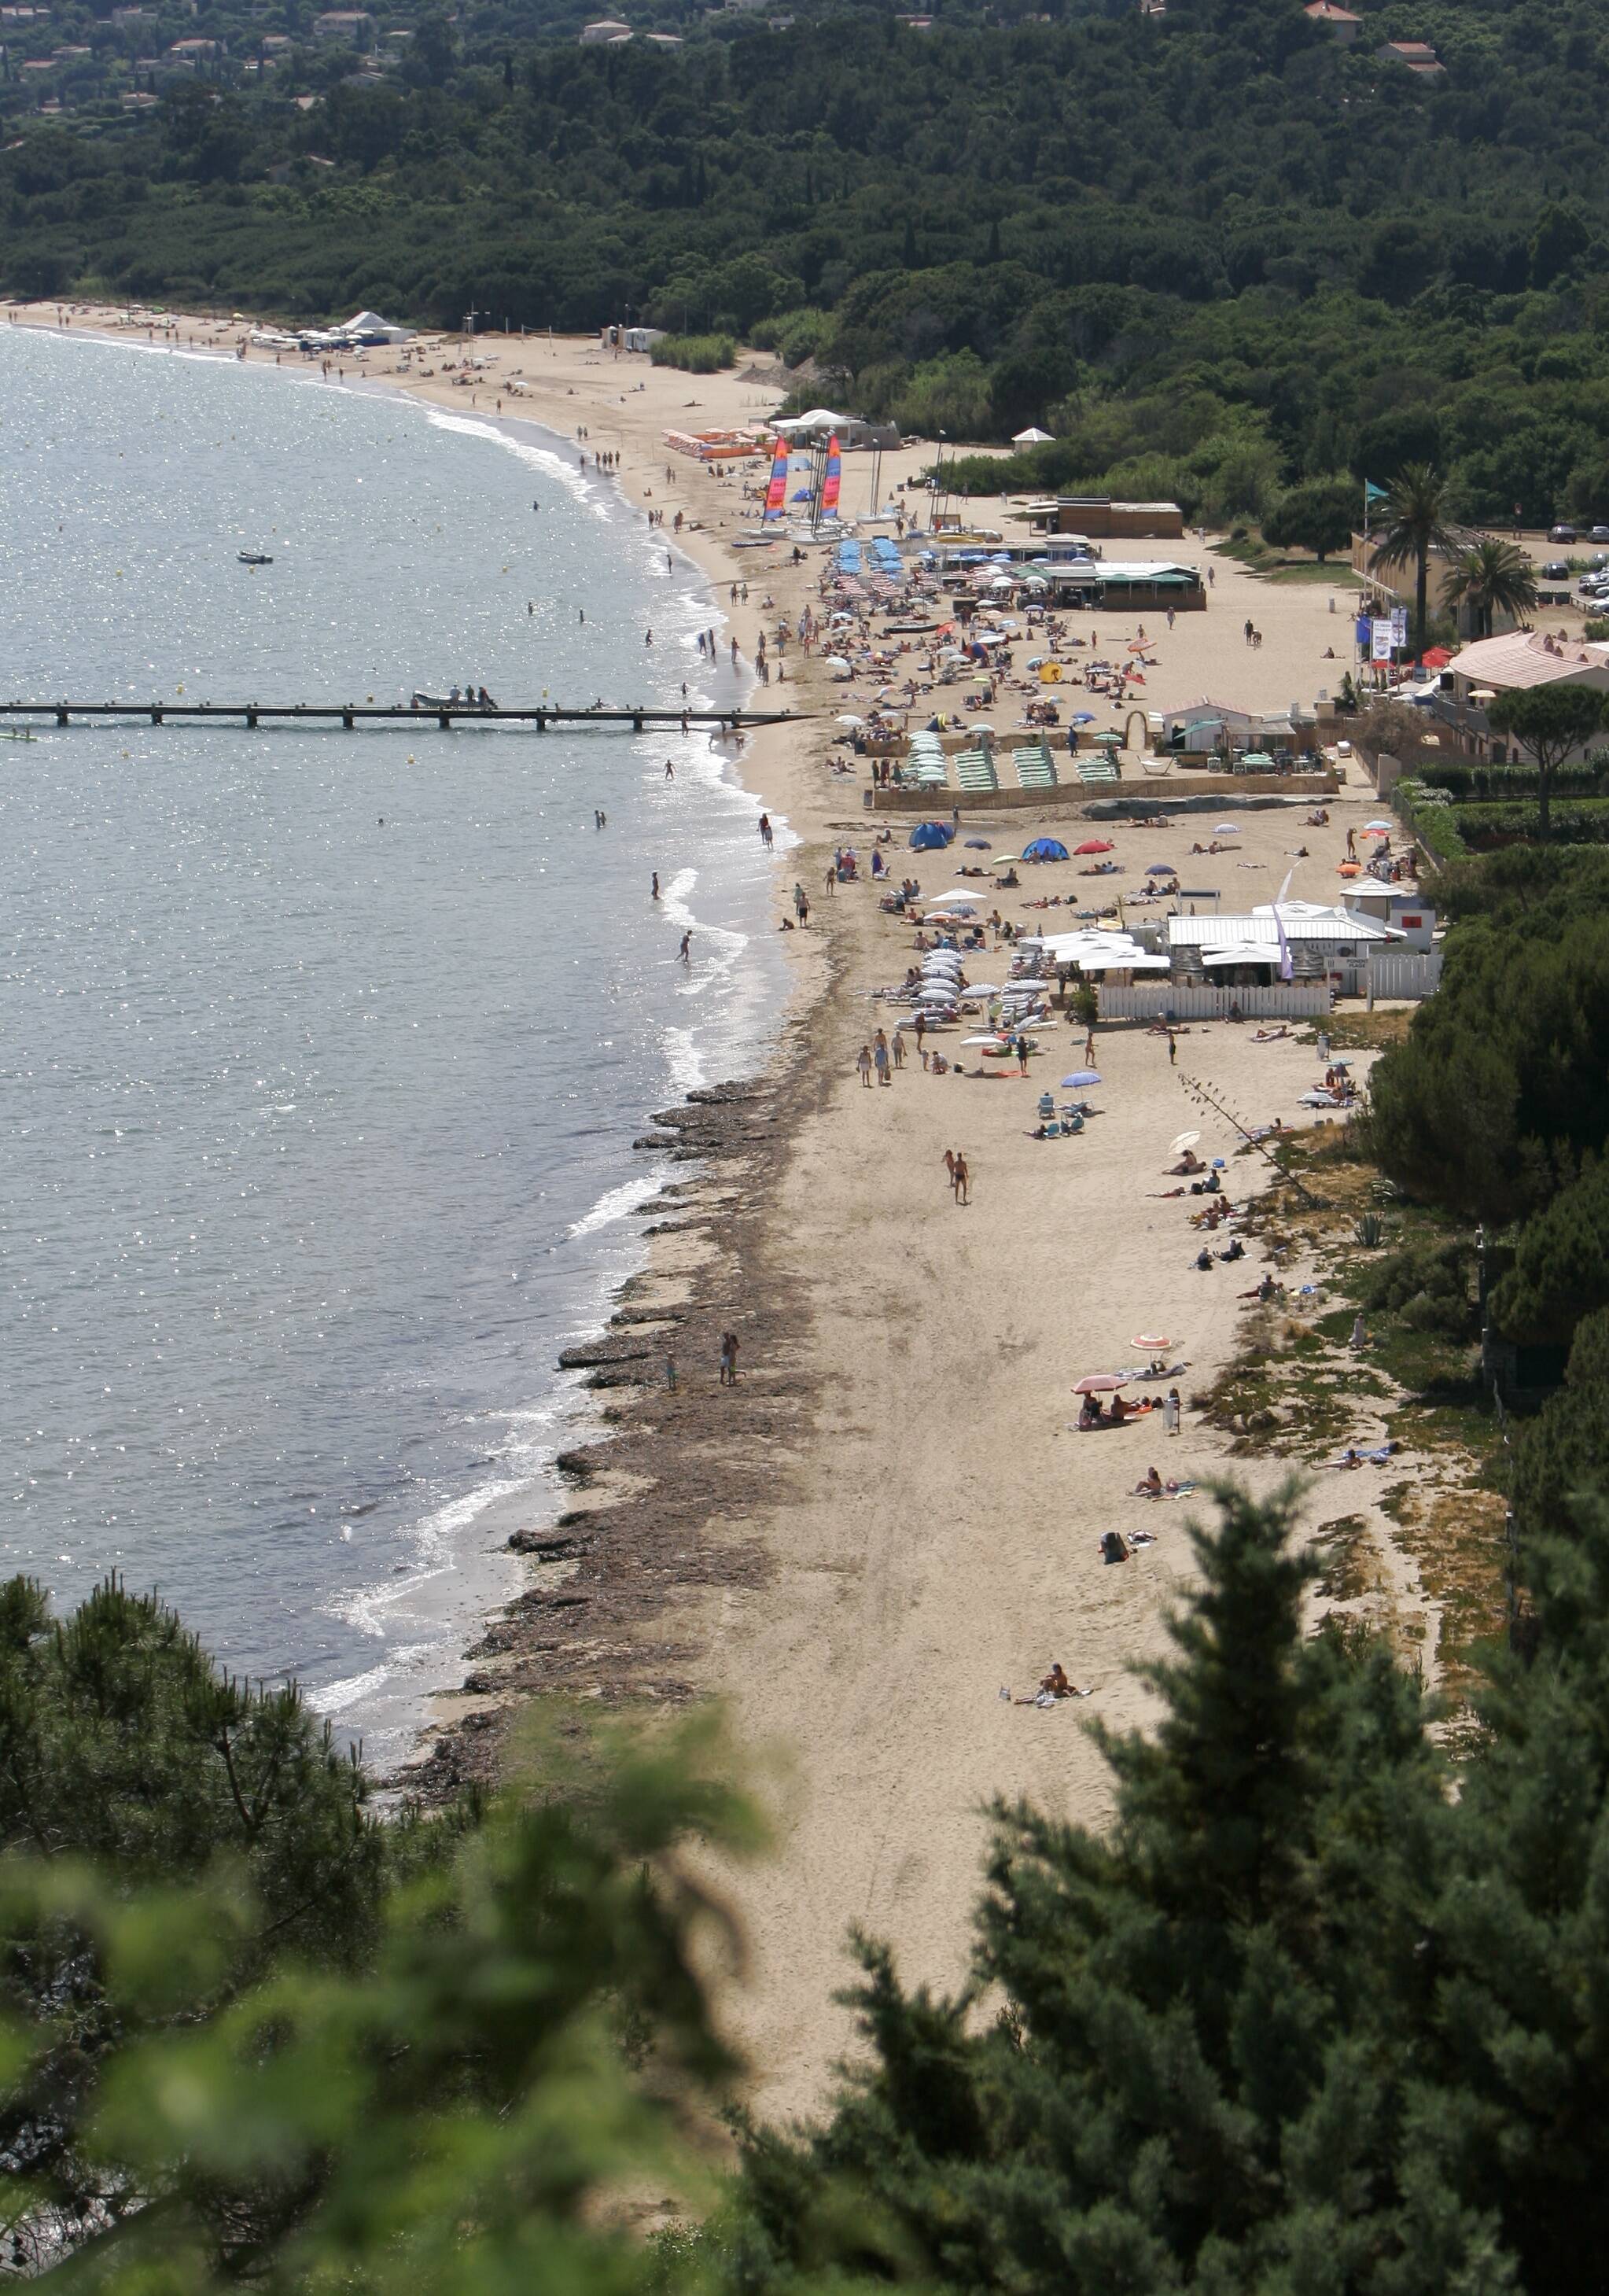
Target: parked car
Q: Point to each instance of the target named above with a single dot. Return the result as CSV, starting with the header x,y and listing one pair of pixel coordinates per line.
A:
x,y
1600,534
1563,534
1555,571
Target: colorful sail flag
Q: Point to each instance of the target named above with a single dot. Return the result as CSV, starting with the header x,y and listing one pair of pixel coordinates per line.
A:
x,y
776,493
829,484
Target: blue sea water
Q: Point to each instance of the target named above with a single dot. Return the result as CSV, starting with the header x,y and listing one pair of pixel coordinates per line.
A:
x,y
321,1054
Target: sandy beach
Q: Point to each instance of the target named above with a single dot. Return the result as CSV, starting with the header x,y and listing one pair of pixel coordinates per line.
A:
x,y
889,1520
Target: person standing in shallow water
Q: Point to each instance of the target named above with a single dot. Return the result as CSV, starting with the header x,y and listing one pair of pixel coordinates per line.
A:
x,y
656,887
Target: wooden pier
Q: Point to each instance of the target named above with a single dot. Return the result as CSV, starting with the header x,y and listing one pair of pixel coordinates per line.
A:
x,y
351,714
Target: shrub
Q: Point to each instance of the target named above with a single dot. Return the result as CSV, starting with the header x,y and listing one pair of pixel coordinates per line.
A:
x,y
1427,1286
697,354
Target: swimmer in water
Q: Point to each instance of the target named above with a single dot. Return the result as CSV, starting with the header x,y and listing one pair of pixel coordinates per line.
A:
x,y
656,891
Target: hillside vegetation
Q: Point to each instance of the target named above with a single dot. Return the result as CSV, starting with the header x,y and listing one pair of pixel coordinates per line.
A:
x,y
1214,251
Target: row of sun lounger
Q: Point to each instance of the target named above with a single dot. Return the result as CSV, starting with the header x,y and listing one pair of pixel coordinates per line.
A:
x,y
1035,768
974,771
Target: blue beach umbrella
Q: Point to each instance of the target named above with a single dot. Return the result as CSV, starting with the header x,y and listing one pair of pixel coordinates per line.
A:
x,y
1162,869
1079,1077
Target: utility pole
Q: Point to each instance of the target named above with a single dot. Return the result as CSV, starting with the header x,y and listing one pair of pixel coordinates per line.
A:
x,y
1206,1098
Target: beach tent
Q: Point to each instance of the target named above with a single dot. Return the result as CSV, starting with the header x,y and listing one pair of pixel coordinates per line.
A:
x,y
1045,849
369,327
927,834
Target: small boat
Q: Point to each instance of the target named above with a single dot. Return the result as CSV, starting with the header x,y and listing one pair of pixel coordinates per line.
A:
x,y
254,558
17,733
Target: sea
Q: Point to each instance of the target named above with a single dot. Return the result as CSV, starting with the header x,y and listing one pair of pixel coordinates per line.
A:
x,y
322,1053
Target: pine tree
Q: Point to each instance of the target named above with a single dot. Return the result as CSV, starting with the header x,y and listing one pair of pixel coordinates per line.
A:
x,y
1205,2072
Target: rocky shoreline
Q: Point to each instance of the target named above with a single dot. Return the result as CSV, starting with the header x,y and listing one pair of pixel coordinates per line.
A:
x,y
655,1491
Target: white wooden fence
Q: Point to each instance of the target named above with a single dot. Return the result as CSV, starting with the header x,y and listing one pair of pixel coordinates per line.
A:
x,y
1156,1000
1412,973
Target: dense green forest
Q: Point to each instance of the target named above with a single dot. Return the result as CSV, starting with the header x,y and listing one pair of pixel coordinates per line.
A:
x,y
1215,251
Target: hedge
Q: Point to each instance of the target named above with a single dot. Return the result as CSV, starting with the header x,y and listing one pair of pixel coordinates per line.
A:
x,y
1503,784
1583,821
1433,823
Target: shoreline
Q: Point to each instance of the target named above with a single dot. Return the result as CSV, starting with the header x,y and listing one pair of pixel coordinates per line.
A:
x,y
887,1522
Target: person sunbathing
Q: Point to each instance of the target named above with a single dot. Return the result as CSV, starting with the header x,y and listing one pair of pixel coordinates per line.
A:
x,y
1149,1486
1270,1036
1057,1683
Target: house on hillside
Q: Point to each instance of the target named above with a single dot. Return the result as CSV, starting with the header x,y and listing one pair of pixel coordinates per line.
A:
x,y
604,33
1339,21
352,25
1419,55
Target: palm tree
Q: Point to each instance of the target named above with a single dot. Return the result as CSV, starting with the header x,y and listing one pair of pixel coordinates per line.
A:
x,y
1491,577
1416,524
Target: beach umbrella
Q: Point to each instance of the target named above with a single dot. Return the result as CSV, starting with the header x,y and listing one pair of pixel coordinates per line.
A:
x,y
1162,869
852,720
1080,1077
1226,829
1386,826
1083,717
1095,845
1152,1340
1185,1140
1099,1382
1109,741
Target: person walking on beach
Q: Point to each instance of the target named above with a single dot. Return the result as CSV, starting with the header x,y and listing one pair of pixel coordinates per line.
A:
x,y
729,1359
898,1048
1172,1050
949,1166
1022,1054
766,837
963,1181
655,895
832,881
880,1057
1089,1049
1169,1411
670,771
921,1030
864,1066
687,942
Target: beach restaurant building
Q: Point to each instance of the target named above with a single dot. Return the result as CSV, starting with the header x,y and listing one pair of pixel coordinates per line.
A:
x,y
1516,660
1098,516
1088,585
1324,943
